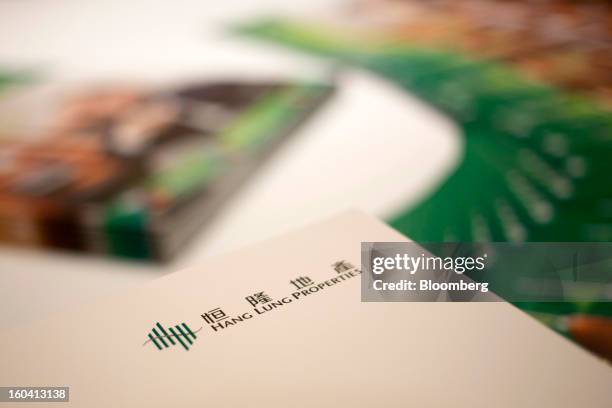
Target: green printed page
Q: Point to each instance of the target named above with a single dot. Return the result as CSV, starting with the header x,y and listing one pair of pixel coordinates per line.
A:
x,y
9,78
536,163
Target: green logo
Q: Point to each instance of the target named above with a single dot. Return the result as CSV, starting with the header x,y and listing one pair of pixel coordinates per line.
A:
x,y
179,334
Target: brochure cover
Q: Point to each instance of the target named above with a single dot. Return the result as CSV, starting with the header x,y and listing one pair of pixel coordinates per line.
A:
x,y
282,324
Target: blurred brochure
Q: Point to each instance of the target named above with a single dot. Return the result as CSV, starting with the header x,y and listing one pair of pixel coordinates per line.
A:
x,y
281,324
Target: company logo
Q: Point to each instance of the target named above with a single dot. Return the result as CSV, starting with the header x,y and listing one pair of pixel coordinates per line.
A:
x,y
179,334
261,302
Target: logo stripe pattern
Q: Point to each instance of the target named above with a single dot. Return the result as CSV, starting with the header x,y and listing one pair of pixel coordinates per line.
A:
x,y
162,339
